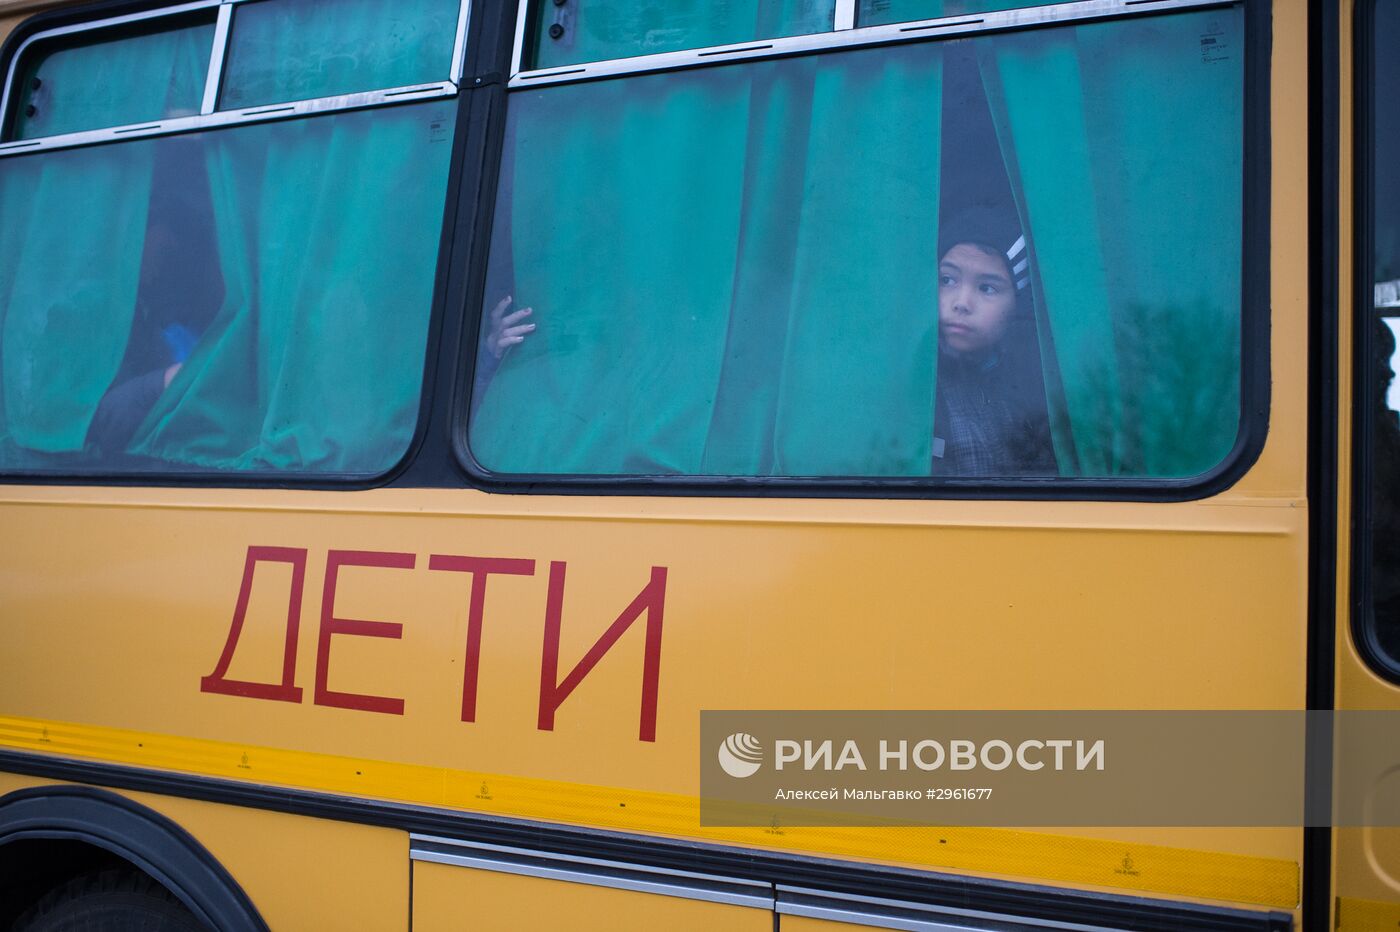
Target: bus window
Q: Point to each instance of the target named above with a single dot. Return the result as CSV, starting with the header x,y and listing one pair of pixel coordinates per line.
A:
x,y
281,51
597,30
139,74
210,299
739,271
1380,389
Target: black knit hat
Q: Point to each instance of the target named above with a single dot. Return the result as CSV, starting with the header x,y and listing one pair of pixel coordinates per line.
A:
x,y
993,230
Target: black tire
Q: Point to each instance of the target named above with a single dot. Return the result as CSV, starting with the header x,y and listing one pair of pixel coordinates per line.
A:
x,y
109,901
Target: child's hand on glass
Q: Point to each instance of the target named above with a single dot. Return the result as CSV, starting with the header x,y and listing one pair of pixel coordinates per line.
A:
x,y
506,330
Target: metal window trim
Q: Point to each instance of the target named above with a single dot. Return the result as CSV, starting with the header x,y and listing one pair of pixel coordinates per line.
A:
x,y
884,913
224,118
217,53
875,920
208,116
416,839
872,920
845,17
597,872
459,42
842,38
522,19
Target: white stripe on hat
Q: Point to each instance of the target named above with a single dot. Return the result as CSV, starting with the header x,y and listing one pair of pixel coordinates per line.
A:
x,y
1017,247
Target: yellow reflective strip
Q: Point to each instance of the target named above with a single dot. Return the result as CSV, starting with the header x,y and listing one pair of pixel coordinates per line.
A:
x,y
1367,915
1020,854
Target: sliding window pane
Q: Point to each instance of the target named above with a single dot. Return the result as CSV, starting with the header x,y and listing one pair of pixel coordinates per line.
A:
x,y
285,50
116,77
596,30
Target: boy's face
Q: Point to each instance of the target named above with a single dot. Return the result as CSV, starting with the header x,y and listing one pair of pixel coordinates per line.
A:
x,y
976,299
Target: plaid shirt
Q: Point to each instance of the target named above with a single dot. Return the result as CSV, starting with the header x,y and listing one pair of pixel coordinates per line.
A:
x,y
985,426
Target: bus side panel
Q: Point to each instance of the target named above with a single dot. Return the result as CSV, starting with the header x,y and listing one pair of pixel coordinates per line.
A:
x,y
846,605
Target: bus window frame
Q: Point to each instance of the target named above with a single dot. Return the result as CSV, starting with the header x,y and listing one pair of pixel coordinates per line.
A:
x,y
88,17
1256,241
1364,318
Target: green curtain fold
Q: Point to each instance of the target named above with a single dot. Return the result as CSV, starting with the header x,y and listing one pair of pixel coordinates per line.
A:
x,y
1038,99
740,436
72,229
328,232
859,368
621,373
1125,142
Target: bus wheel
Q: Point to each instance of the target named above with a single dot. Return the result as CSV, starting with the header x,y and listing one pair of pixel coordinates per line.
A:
x,y
110,901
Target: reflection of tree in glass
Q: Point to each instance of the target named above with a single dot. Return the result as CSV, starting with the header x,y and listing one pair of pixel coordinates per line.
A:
x,y
1166,404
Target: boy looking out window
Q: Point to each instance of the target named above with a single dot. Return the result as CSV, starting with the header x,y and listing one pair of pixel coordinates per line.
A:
x,y
989,412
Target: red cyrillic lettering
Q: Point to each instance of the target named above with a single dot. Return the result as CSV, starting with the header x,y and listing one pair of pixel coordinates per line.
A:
x,y
286,691
553,692
331,625
480,568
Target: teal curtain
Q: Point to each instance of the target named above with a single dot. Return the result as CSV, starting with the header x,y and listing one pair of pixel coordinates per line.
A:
x,y
283,50
149,76
688,262
597,30
1124,142
72,229
72,232
859,364
623,239
328,236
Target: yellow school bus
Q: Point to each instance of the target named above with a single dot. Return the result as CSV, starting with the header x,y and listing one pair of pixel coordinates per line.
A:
x,y
415,413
